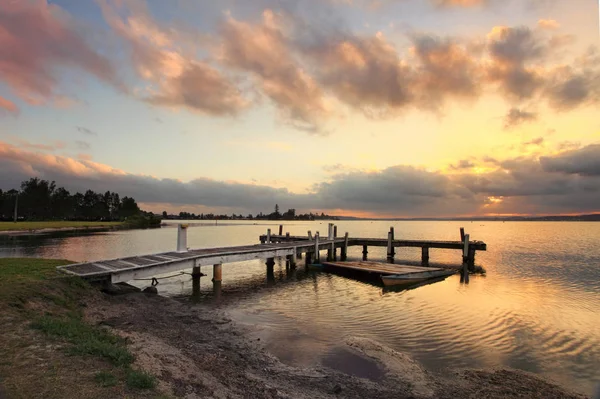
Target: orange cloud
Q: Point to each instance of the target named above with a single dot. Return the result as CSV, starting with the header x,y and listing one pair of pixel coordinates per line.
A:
x,y
8,106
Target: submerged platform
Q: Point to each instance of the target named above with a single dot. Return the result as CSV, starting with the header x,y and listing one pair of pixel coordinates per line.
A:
x,y
378,268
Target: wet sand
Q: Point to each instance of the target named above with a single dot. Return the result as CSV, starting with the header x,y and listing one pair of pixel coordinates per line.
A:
x,y
198,352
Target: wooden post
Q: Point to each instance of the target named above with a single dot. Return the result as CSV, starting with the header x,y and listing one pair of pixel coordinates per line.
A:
x,y
317,255
392,231
334,231
471,259
270,273
270,264
466,249
309,258
280,229
390,248
331,252
462,234
310,237
287,236
196,274
344,254
182,238
217,272
365,252
290,262
330,231
268,236
425,256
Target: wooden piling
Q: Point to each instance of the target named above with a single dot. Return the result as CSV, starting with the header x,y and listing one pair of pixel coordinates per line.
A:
x,y
462,234
466,249
309,258
290,261
471,259
331,252
334,231
287,236
344,252
365,252
280,229
310,237
317,255
390,247
217,272
196,274
270,265
268,236
425,256
392,231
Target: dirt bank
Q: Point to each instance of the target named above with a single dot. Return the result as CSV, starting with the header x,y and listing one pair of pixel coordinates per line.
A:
x,y
198,352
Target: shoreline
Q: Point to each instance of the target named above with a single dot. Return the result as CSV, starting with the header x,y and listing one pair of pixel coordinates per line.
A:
x,y
199,350
57,230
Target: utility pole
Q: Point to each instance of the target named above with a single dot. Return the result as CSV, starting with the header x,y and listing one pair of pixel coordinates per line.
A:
x,y
16,206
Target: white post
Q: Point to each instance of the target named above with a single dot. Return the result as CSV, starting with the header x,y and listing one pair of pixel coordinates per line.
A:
x,y
182,238
316,257
268,236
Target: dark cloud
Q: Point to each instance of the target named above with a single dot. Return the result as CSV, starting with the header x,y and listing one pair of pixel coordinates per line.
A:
x,y
584,161
516,116
565,183
463,164
86,131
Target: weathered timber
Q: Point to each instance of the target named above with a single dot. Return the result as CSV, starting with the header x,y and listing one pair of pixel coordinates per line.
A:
x,y
425,256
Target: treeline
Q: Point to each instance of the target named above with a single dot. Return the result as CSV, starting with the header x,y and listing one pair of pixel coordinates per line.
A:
x,y
40,200
290,214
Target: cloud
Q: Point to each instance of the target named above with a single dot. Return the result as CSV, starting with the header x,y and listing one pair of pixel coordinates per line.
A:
x,y
86,131
262,50
516,117
173,75
201,88
463,164
364,72
37,41
567,182
7,106
83,145
459,3
536,141
584,161
548,24
56,145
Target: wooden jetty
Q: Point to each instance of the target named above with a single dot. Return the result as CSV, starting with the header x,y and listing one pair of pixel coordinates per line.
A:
x,y
272,246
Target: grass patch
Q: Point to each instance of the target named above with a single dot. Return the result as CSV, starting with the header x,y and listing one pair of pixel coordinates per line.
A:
x,y
58,224
140,380
106,379
86,339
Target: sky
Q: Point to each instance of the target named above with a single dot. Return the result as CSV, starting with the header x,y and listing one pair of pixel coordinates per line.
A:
x,y
373,108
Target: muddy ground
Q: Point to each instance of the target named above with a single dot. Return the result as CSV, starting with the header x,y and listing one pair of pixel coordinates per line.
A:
x,y
198,352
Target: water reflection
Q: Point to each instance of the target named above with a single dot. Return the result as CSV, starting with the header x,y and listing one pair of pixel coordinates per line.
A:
x,y
536,310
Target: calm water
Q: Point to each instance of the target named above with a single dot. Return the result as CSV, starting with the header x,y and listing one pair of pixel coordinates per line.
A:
x,y
536,310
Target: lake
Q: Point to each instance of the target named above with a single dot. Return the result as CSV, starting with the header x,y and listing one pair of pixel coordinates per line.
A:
x,y
535,310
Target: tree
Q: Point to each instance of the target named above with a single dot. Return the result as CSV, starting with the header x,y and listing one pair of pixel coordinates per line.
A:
x,y
165,215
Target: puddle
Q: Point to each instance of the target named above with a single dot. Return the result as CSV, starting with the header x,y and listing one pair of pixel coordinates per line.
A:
x,y
348,362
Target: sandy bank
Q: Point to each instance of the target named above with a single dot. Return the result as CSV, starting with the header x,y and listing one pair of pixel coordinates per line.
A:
x,y
198,352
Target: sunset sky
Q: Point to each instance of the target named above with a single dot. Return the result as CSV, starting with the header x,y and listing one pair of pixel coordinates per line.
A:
x,y
387,108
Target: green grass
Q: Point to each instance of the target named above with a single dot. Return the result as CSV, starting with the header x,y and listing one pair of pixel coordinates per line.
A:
x,y
106,379
140,380
58,224
85,338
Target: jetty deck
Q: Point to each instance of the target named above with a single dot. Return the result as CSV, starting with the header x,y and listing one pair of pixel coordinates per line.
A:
x,y
292,248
